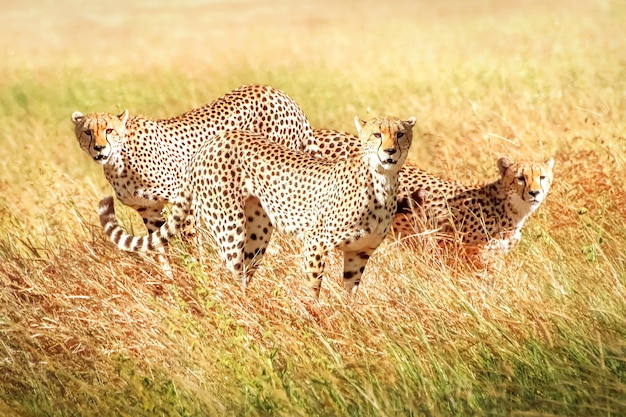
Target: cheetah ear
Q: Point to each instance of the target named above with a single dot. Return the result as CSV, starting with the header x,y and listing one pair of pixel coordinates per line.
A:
x,y
503,165
359,124
123,116
77,117
550,163
411,121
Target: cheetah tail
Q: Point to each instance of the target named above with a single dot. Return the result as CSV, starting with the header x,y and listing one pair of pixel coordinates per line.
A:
x,y
149,242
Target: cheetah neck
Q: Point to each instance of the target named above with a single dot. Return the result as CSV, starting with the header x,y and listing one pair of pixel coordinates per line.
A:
x,y
385,189
114,166
514,210
384,184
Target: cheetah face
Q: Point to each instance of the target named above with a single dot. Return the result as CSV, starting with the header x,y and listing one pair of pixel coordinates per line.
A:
x,y
386,141
98,133
527,181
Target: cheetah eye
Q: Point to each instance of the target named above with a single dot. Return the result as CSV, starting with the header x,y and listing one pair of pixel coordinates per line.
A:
x,y
399,135
377,135
109,131
521,178
87,132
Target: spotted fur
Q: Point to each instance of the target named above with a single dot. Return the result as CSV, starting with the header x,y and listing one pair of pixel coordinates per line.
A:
x,y
144,159
242,185
486,214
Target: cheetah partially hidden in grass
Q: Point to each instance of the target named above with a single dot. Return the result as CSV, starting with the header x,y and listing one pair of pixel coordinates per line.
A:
x,y
486,215
241,185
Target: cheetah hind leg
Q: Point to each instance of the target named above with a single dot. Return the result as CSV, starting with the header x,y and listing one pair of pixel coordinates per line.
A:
x,y
239,252
353,267
153,220
258,233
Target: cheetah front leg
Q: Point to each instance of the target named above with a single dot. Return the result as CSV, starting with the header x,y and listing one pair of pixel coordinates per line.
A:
x,y
153,219
353,266
314,265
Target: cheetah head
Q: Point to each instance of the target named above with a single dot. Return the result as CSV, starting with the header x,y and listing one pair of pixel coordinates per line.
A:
x,y
526,182
99,133
386,141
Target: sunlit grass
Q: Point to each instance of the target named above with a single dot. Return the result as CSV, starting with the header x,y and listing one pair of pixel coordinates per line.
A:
x,y
86,329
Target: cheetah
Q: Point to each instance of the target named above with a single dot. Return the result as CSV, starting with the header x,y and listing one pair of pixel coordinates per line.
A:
x,y
144,159
491,215
241,186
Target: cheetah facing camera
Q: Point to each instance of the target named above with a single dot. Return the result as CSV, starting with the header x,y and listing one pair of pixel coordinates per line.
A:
x,y
491,215
240,185
143,158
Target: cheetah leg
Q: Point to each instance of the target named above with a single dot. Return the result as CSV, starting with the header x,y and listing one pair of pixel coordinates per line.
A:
x,y
353,267
153,220
258,233
228,227
314,265
189,229
200,240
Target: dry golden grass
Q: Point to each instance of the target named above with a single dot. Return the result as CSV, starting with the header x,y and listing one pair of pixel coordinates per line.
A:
x,y
86,329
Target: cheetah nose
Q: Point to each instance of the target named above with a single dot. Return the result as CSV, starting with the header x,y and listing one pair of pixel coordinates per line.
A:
x,y
98,148
534,193
390,151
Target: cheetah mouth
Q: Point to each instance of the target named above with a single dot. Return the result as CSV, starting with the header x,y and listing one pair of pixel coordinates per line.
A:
x,y
389,161
534,201
100,158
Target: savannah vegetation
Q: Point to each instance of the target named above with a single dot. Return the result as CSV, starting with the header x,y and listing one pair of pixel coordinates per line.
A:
x,y
86,329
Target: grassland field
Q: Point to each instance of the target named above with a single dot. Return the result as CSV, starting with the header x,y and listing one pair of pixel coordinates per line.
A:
x,y
87,330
